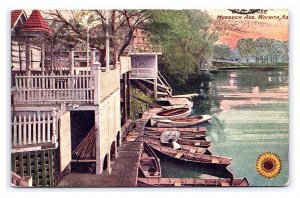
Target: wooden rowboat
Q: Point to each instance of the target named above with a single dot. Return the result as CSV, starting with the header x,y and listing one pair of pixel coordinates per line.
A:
x,y
191,182
149,163
183,122
183,135
192,129
190,142
191,156
173,113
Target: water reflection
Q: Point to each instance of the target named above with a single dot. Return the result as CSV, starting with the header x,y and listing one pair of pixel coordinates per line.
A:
x,y
250,116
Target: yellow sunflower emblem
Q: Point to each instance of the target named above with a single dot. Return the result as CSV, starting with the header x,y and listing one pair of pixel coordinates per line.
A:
x,y
268,165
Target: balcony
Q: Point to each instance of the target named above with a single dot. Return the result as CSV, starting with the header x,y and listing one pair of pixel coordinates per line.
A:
x,y
53,89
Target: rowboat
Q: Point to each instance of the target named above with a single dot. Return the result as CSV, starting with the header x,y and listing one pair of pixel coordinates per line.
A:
x,y
192,182
171,103
174,113
183,135
191,155
183,122
149,163
171,113
184,141
191,129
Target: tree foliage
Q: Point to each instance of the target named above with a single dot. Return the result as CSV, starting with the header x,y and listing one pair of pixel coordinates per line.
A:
x,y
221,51
186,38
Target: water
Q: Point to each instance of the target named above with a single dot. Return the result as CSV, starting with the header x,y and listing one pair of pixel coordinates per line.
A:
x,y
250,117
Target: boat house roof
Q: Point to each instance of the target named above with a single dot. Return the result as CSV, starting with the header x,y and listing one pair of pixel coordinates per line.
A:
x,y
36,24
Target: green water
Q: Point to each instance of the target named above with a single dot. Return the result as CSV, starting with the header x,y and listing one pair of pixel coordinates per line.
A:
x,y
250,117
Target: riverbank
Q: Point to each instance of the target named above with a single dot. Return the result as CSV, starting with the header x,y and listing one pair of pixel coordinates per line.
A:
x,y
239,65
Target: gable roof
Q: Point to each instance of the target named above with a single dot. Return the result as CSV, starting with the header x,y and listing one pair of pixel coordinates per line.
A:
x,y
15,16
36,24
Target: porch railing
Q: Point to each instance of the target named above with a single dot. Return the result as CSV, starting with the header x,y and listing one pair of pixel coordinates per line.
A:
x,y
33,130
37,89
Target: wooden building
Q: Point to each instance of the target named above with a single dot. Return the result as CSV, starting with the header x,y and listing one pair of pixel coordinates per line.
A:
x,y
144,65
63,122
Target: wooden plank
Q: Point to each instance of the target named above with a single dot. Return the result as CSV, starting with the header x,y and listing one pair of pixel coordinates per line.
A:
x,y
179,155
43,128
24,130
39,127
19,130
34,129
15,136
29,129
48,128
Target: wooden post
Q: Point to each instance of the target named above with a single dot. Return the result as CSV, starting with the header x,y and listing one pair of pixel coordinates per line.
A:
x,y
27,56
71,58
97,72
43,54
54,119
99,165
124,97
93,58
107,40
128,94
155,87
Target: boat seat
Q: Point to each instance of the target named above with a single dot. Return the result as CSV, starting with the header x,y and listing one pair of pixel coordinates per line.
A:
x,y
178,155
224,184
192,151
197,144
215,160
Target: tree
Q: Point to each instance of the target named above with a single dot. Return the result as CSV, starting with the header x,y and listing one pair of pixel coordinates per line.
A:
x,y
186,38
71,26
221,51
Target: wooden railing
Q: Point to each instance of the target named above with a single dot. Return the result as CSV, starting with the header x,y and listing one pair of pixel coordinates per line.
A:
x,y
145,48
143,73
32,130
164,82
51,89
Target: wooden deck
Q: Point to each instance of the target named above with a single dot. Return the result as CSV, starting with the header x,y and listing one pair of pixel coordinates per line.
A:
x,y
124,168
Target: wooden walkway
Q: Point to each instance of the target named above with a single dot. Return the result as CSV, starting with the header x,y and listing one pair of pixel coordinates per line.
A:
x,y
124,169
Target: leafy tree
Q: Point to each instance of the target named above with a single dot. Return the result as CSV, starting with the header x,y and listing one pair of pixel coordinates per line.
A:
x,y
221,51
186,39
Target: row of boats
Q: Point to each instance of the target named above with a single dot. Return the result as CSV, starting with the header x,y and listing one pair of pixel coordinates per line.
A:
x,y
169,134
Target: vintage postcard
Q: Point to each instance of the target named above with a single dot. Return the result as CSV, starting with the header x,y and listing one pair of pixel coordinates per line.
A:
x,y
149,98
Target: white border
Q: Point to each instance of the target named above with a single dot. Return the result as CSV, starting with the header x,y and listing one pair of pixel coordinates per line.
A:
x,y
7,5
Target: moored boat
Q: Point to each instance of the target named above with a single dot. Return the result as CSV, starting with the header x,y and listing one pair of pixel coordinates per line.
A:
x,y
191,182
149,163
191,156
171,113
183,135
183,122
184,141
190,129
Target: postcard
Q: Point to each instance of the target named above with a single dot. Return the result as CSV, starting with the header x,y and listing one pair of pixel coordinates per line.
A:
x,y
149,98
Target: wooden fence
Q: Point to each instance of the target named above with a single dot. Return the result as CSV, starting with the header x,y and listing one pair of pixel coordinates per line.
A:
x,y
38,89
34,129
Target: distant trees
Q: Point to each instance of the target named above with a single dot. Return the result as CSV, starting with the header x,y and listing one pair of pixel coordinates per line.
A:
x,y
221,51
264,49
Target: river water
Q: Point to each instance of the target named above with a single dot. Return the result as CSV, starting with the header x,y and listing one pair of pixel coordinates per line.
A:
x,y
250,116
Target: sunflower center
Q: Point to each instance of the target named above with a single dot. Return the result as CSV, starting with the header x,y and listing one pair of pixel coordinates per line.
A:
x,y
268,165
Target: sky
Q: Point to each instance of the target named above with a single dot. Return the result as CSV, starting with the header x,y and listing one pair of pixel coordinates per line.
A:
x,y
271,24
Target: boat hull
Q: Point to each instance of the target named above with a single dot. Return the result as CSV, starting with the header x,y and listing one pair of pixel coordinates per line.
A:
x,y
180,123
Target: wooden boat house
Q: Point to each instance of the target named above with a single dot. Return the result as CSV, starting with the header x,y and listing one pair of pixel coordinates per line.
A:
x,y
53,112
144,65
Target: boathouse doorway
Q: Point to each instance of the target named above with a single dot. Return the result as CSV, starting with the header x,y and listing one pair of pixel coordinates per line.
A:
x,y
83,141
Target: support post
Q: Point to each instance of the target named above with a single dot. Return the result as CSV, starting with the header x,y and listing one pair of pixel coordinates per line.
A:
x,y
155,87
54,119
71,58
42,54
128,94
107,40
27,56
96,73
99,165
93,58
124,97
